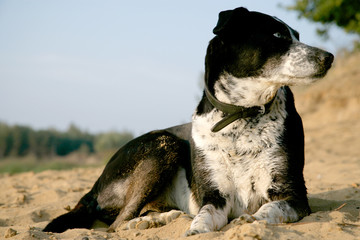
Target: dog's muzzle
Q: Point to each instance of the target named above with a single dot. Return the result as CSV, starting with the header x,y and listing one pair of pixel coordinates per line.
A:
x,y
324,60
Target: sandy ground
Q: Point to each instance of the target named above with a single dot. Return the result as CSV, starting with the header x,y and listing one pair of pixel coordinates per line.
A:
x,y
331,114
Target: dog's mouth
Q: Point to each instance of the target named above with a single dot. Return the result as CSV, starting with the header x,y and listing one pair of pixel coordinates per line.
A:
x,y
322,72
305,80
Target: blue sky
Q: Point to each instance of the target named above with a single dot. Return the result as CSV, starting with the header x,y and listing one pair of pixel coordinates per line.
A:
x,y
113,65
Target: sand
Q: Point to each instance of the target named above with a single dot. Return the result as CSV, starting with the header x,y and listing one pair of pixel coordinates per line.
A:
x,y
331,114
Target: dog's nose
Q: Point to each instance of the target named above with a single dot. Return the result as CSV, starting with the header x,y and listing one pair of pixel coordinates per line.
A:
x,y
325,58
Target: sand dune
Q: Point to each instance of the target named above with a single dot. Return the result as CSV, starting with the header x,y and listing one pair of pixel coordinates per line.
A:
x,y
331,114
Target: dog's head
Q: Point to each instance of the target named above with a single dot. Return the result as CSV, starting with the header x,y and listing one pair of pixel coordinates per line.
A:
x,y
255,46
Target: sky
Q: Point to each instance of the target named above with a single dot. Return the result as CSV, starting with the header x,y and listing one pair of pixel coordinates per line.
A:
x,y
114,64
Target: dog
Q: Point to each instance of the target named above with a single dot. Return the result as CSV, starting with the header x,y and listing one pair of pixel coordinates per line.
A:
x,y
241,157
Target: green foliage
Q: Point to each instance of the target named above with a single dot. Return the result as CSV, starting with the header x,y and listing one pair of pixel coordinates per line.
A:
x,y
21,141
72,140
5,140
343,13
112,140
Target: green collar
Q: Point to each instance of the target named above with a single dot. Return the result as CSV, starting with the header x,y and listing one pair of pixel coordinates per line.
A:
x,y
233,112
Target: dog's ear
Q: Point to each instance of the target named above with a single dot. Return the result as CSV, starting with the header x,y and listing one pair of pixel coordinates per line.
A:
x,y
227,18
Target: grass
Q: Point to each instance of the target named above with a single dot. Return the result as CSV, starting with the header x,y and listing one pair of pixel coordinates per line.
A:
x,y
25,166
13,165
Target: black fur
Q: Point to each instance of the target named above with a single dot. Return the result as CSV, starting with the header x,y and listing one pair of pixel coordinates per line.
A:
x,y
152,159
82,216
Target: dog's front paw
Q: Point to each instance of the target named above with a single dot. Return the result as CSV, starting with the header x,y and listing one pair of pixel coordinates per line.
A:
x,y
191,232
245,218
197,228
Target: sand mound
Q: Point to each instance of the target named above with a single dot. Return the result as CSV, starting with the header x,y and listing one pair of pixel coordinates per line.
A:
x,y
330,111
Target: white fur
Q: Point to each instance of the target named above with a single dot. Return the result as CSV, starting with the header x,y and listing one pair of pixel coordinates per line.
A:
x,y
180,196
246,92
208,219
237,157
273,213
296,68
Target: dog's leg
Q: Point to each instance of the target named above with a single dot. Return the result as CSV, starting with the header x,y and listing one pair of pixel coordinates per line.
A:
x,y
154,159
277,212
282,211
141,193
208,219
137,200
153,219
129,211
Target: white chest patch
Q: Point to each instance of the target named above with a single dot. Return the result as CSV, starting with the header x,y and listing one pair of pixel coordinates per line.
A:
x,y
242,156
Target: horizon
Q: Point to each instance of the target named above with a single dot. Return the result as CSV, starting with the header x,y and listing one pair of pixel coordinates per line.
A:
x,y
114,66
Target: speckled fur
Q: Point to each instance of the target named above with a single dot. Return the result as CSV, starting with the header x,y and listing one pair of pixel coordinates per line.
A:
x,y
242,160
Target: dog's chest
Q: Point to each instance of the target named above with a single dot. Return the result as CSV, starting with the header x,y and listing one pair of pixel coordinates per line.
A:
x,y
242,158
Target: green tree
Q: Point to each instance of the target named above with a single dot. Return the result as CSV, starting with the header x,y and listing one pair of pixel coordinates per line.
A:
x,y
20,141
45,143
111,140
5,140
72,140
343,13
22,137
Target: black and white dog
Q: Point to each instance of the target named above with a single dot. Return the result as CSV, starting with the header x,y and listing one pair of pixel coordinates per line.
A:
x,y
241,157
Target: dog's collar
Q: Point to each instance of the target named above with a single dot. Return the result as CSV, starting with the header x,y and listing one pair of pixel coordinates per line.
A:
x,y
233,112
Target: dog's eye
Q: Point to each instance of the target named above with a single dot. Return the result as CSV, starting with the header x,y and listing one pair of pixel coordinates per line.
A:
x,y
279,35
282,36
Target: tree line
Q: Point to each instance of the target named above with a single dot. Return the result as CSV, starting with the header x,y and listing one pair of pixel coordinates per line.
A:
x,y
20,141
